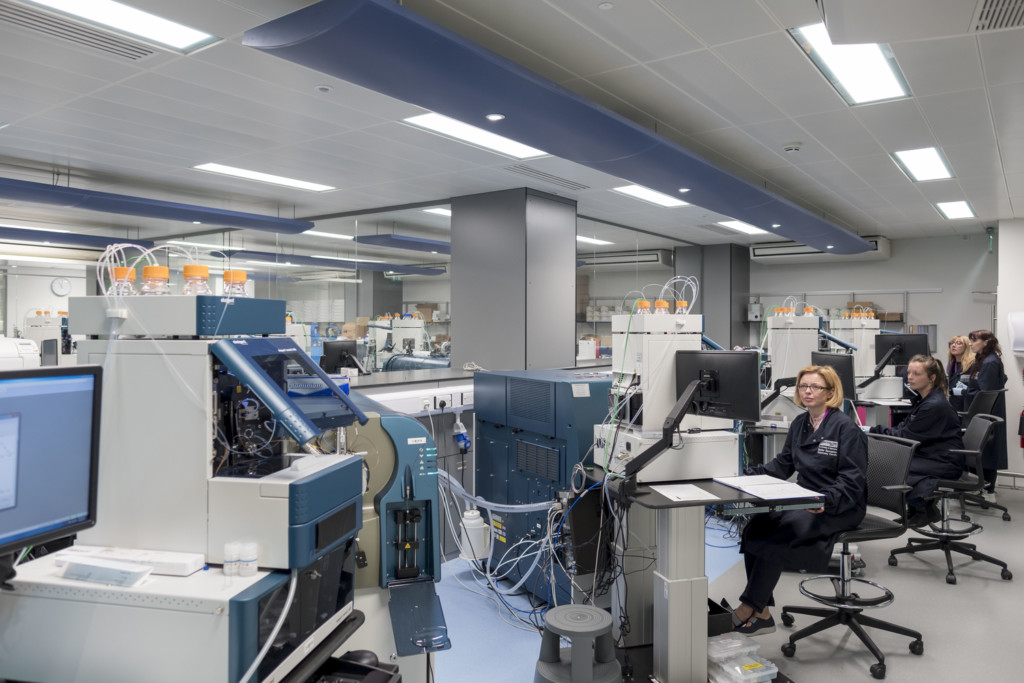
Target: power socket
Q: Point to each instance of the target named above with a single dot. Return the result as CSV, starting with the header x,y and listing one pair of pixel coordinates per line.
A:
x,y
427,404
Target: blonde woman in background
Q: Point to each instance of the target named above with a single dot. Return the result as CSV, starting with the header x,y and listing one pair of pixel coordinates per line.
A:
x,y
958,363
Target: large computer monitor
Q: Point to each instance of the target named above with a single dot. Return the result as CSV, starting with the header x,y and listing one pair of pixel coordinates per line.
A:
x,y
729,383
904,346
842,363
340,354
49,454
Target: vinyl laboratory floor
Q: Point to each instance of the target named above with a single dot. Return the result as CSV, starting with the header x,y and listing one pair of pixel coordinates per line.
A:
x,y
969,629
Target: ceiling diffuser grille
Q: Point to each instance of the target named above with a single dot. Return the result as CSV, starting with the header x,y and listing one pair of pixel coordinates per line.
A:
x,y
547,177
65,29
992,15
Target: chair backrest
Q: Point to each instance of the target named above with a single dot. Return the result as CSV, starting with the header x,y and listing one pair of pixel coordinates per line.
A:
x,y
888,464
980,429
982,403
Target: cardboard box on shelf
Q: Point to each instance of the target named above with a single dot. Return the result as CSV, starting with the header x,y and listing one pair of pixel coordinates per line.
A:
x,y
350,331
427,311
890,317
850,305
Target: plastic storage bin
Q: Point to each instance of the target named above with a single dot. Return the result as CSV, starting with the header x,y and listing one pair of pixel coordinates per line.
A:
x,y
730,645
743,669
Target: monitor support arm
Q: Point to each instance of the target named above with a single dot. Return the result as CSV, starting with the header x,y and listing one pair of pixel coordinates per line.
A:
x,y
881,366
780,384
668,428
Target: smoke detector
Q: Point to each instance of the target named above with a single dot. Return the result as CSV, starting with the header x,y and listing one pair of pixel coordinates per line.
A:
x,y
790,147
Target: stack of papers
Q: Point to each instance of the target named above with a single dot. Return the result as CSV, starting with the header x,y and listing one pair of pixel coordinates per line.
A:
x,y
767,487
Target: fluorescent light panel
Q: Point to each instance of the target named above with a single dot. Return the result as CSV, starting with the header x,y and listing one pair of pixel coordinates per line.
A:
x,y
283,264
861,73
923,164
211,247
346,258
262,177
740,226
474,136
132,21
29,227
953,210
648,195
45,259
439,211
317,233
592,240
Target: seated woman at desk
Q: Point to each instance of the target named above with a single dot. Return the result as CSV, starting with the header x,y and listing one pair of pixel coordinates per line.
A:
x,y
829,453
934,423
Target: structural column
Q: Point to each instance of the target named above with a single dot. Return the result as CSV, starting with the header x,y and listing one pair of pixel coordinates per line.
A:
x,y
724,274
513,272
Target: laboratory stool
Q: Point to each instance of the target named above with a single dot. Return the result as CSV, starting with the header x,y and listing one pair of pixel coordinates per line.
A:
x,y
591,657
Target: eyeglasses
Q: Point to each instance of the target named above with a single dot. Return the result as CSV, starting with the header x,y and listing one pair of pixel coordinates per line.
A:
x,y
816,388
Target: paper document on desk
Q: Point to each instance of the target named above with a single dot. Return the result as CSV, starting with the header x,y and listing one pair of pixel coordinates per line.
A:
x,y
683,492
767,487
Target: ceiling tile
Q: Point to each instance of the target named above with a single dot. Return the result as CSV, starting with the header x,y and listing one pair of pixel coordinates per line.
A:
x,y
1007,108
719,22
959,118
1002,53
939,66
896,125
840,132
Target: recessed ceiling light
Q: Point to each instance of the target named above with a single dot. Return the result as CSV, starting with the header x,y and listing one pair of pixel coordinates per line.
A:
x,y
346,258
440,211
861,73
323,88
592,240
648,195
776,225
132,21
317,233
197,222
473,135
605,5
923,164
495,117
830,246
684,189
953,210
740,226
262,177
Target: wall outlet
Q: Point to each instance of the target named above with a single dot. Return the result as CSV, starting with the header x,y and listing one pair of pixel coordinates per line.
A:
x,y
428,404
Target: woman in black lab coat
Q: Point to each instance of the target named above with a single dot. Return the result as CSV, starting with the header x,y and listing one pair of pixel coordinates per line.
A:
x,y
829,453
933,423
986,374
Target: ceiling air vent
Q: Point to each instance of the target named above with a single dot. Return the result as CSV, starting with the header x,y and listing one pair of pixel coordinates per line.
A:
x,y
794,252
630,259
84,35
522,169
992,15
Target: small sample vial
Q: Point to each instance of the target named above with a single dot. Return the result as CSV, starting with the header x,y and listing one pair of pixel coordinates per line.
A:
x,y
155,280
248,559
197,280
234,283
123,282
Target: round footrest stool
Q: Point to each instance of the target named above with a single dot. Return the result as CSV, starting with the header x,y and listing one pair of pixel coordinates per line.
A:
x,y
847,598
591,655
949,530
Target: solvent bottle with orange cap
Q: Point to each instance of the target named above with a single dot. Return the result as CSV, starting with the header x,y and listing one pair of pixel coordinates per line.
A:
x,y
197,279
234,283
124,279
155,280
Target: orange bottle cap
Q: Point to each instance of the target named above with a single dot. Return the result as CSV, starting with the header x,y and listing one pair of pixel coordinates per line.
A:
x,y
196,270
123,273
155,272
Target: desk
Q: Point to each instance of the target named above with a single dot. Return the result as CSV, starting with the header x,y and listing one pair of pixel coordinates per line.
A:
x,y
881,411
680,585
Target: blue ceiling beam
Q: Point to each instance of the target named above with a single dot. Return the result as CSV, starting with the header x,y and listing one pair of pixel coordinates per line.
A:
x,y
331,263
380,45
91,200
404,242
46,238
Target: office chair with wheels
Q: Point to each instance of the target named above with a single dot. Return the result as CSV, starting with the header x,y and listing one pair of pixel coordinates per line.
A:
x,y
981,404
947,534
888,464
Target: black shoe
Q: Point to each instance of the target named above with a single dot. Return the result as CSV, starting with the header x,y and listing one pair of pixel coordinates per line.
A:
x,y
917,519
934,513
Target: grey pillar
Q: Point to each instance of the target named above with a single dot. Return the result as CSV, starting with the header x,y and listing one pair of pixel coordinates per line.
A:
x,y
724,274
513,272
376,295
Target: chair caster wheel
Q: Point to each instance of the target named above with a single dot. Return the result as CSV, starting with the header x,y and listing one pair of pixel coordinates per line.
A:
x,y
1006,574
893,561
787,619
789,649
917,647
1006,516
951,579
878,671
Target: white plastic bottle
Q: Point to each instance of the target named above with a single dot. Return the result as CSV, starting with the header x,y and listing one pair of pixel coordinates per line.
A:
x,y
232,553
155,281
234,283
197,279
124,279
248,559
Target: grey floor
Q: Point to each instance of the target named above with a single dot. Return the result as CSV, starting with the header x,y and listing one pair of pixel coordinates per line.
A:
x,y
970,629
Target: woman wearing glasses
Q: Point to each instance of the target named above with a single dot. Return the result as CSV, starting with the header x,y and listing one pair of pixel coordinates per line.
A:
x,y
986,374
958,362
933,423
829,454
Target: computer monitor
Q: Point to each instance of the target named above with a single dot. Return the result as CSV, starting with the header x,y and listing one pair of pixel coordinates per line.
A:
x,y
730,385
49,450
842,363
50,352
906,347
340,354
